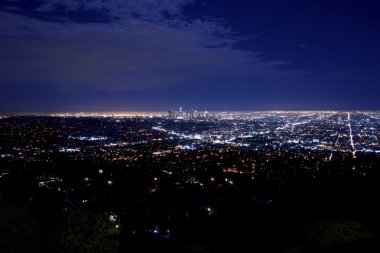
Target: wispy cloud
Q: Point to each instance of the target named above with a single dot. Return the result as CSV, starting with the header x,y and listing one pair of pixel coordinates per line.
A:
x,y
118,8
138,46
146,44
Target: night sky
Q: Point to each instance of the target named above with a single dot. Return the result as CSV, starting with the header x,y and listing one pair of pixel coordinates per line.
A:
x,y
153,55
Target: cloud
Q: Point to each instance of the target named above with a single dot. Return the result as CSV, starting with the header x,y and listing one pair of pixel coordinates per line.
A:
x,y
119,9
140,49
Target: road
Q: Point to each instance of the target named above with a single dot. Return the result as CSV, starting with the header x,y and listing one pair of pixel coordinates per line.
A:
x,y
351,136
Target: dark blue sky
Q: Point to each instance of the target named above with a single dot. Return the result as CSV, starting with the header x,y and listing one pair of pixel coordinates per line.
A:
x,y
126,55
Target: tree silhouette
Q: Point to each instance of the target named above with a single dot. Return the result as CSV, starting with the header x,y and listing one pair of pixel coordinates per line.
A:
x,y
19,232
86,232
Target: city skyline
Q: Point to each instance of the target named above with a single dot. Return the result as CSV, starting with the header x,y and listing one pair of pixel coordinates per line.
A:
x,y
62,56
195,126
190,182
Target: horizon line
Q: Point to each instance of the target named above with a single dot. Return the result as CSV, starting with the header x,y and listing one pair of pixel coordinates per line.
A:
x,y
135,112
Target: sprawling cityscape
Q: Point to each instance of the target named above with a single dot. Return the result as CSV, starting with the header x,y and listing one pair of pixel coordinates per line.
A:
x,y
189,126
192,181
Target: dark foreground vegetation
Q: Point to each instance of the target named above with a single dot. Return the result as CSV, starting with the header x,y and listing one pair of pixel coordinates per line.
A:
x,y
332,209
